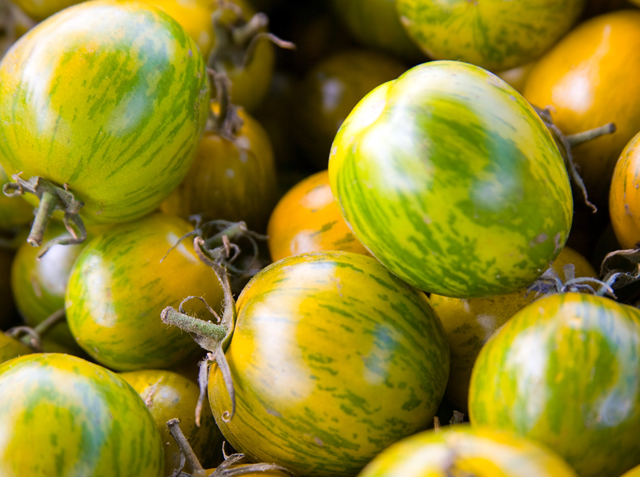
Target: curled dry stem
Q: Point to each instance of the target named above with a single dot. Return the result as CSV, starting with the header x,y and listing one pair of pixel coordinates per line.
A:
x,y
32,337
186,450
52,198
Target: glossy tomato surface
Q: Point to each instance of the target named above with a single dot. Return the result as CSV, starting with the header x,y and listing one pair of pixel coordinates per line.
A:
x,y
450,179
590,79
465,451
120,283
333,358
119,141
494,34
624,197
307,219
13,213
169,395
564,371
66,416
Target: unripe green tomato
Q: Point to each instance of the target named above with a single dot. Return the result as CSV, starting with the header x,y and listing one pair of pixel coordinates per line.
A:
x,y
65,416
635,472
452,181
41,9
119,286
169,395
493,34
331,90
464,451
11,348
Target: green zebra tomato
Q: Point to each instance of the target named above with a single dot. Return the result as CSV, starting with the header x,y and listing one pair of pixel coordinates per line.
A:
x,y
111,110
333,358
61,415
565,371
450,179
120,283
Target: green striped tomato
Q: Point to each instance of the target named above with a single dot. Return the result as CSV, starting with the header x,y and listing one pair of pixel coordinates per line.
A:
x,y
118,286
464,451
61,415
450,179
13,213
494,34
333,358
565,371
108,99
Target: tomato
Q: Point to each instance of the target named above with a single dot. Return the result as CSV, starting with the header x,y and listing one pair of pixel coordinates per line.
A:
x,y
233,177
589,79
463,450
13,212
332,358
451,180
624,198
11,348
492,34
39,10
331,90
517,77
257,473
89,421
7,308
118,286
469,323
307,219
635,472
375,24
118,142
38,286
169,395
565,372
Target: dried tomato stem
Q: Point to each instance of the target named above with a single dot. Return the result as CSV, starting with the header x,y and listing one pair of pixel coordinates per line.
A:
x,y
32,337
185,322
581,137
48,203
174,428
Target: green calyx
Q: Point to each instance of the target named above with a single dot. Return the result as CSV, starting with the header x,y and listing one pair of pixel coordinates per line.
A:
x,y
52,198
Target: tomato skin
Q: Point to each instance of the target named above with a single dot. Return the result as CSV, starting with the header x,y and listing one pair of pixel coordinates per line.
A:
x,y
492,34
469,323
466,450
590,79
635,472
90,421
476,201
566,348
231,178
169,395
624,197
307,219
333,358
331,90
118,288
11,348
122,142
375,24
39,10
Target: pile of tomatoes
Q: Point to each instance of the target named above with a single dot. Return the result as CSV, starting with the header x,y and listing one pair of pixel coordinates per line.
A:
x,y
383,238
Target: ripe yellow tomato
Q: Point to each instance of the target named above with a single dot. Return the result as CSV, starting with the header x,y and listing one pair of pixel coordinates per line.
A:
x,y
624,198
590,78
307,219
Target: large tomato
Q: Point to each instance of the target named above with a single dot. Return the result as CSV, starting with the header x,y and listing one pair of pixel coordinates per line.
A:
x,y
118,286
65,416
333,358
565,371
450,179
464,451
112,109
494,34
590,78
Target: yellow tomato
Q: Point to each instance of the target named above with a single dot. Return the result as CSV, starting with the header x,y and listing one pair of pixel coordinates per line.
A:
x,y
307,219
590,78
624,198
469,323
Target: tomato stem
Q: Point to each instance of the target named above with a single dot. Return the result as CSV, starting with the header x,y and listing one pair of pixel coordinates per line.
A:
x,y
185,322
185,448
32,337
48,203
581,137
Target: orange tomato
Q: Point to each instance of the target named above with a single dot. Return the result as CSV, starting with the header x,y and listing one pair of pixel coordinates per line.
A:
x,y
590,78
307,219
624,199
